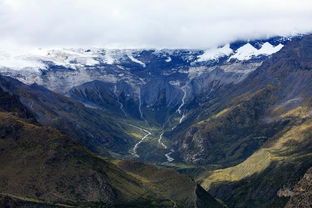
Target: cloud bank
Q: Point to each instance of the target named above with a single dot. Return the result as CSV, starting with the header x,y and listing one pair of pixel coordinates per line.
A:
x,y
148,24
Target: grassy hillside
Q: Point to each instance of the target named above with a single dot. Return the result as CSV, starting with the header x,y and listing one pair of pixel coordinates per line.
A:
x,y
279,163
90,127
40,163
42,167
232,134
180,189
255,139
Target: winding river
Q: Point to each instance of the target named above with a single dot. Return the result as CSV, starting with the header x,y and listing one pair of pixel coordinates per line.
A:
x,y
134,149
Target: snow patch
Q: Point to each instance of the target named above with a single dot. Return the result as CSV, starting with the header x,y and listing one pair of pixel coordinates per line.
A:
x,y
35,59
168,59
129,54
18,59
247,51
268,49
108,58
71,57
215,53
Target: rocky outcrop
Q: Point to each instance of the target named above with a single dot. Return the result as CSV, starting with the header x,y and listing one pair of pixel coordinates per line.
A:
x,y
301,194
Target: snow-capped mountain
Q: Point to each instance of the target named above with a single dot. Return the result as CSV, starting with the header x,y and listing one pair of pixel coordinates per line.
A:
x,y
41,59
141,82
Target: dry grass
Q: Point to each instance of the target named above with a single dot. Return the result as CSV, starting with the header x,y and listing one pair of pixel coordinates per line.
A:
x,y
283,148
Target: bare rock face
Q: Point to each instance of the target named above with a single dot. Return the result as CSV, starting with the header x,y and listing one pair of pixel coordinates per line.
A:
x,y
301,195
151,81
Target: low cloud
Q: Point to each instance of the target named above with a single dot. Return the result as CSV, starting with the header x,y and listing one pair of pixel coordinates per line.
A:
x,y
148,24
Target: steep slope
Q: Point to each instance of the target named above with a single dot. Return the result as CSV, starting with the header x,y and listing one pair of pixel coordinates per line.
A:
x,y
285,153
42,167
130,78
11,103
241,115
301,195
283,81
161,91
277,164
167,183
90,127
116,99
232,134
41,163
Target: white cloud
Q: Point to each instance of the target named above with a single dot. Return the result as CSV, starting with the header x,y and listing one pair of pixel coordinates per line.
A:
x,y
141,23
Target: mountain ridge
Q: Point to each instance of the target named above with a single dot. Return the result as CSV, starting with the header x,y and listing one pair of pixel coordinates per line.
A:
x,y
234,126
43,167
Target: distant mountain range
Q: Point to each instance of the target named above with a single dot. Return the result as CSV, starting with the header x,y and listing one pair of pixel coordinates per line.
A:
x,y
235,118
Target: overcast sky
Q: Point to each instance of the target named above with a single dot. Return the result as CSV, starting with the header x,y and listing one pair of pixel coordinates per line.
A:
x,y
148,23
